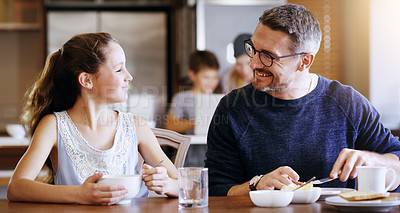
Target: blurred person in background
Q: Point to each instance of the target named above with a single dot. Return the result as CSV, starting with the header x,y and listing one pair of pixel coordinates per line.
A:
x,y
203,72
240,74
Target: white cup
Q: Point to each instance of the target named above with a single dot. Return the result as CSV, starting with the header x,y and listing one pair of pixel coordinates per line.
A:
x,y
374,178
132,182
193,187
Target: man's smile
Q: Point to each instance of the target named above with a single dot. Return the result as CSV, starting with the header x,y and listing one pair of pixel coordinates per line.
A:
x,y
263,74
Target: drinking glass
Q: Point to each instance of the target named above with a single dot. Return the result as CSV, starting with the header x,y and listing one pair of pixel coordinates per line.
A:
x,y
193,187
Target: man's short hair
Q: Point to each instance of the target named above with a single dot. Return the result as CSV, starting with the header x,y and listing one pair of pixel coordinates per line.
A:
x,y
298,22
204,59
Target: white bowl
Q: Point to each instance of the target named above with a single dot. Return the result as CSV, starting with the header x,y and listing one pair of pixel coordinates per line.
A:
x,y
306,196
132,182
16,130
271,198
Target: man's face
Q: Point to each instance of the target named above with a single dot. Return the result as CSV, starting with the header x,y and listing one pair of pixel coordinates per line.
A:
x,y
280,77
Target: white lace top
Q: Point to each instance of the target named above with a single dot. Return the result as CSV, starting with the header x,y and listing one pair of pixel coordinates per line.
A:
x,y
77,159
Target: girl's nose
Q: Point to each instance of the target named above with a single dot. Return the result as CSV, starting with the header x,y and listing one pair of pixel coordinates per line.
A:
x,y
129,77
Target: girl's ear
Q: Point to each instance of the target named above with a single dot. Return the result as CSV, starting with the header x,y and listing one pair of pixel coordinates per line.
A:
x,y
85,80
306,61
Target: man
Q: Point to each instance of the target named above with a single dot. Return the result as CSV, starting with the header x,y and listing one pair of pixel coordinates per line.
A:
x,y
290,125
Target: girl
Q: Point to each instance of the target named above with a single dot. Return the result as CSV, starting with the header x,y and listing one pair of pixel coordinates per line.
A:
x,y
70,123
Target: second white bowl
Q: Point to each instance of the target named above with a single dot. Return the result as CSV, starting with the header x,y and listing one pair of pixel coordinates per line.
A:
x,y
271,198
306,196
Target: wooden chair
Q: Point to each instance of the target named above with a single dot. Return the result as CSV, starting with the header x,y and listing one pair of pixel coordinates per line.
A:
x,y
177,142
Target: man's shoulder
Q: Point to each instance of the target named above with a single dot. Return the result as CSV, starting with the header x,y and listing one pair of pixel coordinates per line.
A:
x,y
337,90
343,95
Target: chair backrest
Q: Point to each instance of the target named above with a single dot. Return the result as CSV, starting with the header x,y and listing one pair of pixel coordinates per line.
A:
x,y
178,144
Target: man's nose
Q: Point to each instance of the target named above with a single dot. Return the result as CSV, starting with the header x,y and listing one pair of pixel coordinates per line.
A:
x,y
255,62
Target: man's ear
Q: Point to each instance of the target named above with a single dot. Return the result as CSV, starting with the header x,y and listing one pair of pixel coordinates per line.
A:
x,y
306,61
85,80
192,75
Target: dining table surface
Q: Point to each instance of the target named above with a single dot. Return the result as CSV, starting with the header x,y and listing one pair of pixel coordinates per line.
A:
x,y
164,204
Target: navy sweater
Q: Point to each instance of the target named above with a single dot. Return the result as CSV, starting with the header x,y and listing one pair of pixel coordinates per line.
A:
x,y
254,133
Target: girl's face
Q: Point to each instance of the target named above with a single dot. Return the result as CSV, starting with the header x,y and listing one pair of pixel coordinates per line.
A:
x,y
242,67
111,82
205,81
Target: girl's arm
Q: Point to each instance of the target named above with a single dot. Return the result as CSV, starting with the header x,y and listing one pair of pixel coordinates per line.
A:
x,y
23,187
163,178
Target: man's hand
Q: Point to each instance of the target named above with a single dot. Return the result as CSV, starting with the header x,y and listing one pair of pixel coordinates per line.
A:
x,y
348,160
278,178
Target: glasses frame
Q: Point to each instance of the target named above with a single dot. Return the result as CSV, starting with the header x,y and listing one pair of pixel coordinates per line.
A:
x,y
248,41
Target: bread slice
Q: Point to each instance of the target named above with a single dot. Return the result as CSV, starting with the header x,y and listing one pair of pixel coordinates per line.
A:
x,y
362,195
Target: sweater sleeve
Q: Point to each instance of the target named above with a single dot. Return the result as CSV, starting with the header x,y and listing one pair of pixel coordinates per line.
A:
x,y
223,156
372,135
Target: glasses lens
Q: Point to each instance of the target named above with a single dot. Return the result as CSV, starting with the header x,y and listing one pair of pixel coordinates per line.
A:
x,y
249,49
266,59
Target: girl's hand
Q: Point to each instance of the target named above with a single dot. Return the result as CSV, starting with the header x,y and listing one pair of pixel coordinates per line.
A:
x,y
99,194
157,179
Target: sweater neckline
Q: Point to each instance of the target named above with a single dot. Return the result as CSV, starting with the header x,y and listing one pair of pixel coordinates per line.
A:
x,y
311,96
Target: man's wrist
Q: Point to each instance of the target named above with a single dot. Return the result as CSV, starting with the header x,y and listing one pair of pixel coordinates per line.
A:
x,y
254,182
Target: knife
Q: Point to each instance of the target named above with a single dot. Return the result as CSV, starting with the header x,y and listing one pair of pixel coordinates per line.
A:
x,y
323,180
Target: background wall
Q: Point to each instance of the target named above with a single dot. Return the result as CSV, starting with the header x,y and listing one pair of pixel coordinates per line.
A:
x,y
355,47
384,83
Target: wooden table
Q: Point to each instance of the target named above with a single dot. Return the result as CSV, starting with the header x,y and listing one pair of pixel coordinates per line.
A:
x,y
161,205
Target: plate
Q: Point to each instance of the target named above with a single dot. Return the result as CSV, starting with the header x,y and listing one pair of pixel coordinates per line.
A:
x,y
379,205
328,192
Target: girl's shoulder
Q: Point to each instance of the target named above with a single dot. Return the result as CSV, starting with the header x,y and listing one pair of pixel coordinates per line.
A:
x,y
48,120
143,131
46,131
139,122
132,120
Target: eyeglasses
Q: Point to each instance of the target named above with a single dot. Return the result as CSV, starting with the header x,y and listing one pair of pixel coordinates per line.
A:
x,y
265,57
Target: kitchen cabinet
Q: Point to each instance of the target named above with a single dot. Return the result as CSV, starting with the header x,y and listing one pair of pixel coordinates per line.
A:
x,y
20,15
21,54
